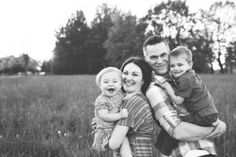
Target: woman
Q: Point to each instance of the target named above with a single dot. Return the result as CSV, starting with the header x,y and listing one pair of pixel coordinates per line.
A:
x,y
138,126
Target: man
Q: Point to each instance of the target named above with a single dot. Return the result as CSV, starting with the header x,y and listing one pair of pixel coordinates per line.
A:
x,y
156,52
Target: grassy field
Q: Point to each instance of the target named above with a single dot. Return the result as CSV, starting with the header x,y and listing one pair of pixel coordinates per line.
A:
x,y
50,116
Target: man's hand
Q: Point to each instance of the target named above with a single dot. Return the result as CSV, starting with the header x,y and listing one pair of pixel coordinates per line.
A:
x,y
220,128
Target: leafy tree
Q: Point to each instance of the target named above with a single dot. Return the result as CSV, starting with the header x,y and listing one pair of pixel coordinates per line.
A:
x,y
11,65
26,62
231,57
98,34
203,32
47,66
200,41
70,52
169,19
173,21
125,39
222,16
14,65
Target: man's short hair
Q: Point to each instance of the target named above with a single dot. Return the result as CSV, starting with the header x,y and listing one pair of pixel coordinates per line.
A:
x,y
152,40
181,50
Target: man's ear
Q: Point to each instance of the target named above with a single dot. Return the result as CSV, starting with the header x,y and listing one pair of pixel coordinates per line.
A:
x,y
145,57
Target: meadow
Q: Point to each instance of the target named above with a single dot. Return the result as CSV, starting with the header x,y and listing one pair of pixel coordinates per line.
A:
x,y
50,116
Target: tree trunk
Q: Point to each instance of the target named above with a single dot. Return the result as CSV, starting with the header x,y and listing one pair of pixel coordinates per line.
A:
x,y
220,63
212,70
231,67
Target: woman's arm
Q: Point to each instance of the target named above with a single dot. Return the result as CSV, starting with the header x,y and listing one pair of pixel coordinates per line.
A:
x,y
118,136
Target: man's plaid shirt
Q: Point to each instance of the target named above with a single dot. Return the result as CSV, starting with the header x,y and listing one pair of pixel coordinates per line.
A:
x,y
168,118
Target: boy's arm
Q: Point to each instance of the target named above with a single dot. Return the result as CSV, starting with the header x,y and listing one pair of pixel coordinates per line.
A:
x,y
170,91
110,117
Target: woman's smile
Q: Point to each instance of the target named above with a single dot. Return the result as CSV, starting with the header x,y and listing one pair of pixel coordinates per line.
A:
x,y
128,82
132,78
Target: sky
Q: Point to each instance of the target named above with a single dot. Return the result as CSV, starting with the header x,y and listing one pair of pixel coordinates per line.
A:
x,y
29,26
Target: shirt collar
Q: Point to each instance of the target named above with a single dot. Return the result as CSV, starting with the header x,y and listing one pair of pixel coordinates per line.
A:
x,y
167,77
162,78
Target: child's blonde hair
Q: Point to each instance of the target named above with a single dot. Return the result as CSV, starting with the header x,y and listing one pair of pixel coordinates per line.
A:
x,y
181,50
104,71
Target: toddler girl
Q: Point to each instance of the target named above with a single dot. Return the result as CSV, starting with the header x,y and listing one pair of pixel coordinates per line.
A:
x,y
108,109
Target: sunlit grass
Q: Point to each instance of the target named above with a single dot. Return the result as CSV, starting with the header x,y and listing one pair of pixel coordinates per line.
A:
x,y
51,115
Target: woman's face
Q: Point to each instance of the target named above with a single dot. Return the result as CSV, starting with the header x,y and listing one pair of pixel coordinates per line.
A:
x,y
132,78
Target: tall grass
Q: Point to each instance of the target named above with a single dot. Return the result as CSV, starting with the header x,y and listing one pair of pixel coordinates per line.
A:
x,y
223,89
50,116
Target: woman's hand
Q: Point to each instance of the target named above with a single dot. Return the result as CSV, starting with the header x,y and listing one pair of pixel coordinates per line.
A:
x,y
220,128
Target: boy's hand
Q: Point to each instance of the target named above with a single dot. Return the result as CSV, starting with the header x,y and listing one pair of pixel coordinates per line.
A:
x,y
123,113
216,123
166,86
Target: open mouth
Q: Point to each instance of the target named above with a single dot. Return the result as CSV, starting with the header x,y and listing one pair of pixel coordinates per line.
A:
x,y
111,90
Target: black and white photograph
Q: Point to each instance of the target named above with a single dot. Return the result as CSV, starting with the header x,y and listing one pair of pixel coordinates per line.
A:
x,y
118,78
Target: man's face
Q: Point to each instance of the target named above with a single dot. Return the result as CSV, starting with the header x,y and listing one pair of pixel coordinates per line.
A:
x,y
158,57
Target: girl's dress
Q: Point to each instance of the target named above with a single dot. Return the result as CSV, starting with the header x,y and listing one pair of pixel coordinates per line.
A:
x,y
104,129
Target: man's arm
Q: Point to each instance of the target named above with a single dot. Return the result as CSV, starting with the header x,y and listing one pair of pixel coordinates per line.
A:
x,y
220,128
190,132
186,131
170,120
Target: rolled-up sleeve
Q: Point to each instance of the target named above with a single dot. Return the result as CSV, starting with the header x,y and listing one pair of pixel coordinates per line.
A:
x,y
164,111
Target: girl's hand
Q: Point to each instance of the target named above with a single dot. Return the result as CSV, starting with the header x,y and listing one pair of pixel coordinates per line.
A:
x,y
123,113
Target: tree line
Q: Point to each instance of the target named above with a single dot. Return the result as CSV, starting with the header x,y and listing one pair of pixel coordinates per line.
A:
x,y
13,65
113,36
